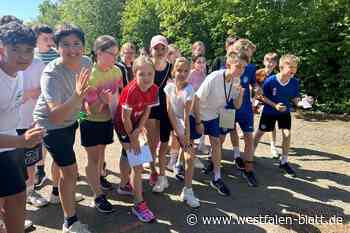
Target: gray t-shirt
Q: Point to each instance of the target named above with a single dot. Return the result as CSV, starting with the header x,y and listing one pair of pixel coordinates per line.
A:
x,y
57,85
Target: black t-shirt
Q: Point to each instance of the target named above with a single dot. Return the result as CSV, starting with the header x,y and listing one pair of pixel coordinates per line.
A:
x,y
161,78
218,64
126,72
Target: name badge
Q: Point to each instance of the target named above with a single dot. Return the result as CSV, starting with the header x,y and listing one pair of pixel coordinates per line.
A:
x,y
227,118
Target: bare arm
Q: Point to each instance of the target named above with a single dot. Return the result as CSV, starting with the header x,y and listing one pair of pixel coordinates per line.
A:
x,y
172,116
238,101
29,139
187,122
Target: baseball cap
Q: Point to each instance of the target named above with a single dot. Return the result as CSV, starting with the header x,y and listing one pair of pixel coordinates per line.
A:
x,y
159,39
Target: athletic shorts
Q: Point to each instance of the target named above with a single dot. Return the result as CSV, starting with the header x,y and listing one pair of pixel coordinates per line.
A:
x,y
267,122
246,121
159,113
211,128
13,172
60,142
93,133
31,155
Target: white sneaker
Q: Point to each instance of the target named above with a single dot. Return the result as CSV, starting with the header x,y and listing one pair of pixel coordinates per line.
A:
x,y
188,197
56,199
202,149
36,199
172,162
274,152
197,163
27,224
77,227
162,183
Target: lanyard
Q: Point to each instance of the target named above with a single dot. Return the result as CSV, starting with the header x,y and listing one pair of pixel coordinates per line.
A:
x,y
227,97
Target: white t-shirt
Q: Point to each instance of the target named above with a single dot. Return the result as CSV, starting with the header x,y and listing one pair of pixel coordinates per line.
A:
x,y
31,80
212,95
11,93
178,101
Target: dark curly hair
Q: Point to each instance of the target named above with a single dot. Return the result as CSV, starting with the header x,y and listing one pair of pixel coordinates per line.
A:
x,y
42,28
9,18
66,30
15,33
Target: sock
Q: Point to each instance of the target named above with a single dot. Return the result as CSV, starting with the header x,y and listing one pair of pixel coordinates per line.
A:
x,y
284,159
201,141
70,221
178,163
30,189
217,174
236,152
55,191
40,169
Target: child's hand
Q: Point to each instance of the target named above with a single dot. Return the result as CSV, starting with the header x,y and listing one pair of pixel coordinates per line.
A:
x,y
106,96
33,137
135,145
280,107
35,93
81,82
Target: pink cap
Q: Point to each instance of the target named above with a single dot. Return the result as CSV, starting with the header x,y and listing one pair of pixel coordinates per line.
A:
x,y
159,39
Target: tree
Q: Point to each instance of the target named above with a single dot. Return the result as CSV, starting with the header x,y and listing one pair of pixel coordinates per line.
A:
x,y
140,21
48,13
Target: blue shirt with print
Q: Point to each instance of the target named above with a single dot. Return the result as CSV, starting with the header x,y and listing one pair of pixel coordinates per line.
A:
x,y
248,79
277,92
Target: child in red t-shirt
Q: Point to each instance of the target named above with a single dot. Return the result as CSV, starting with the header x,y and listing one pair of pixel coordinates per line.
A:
x,y
133,110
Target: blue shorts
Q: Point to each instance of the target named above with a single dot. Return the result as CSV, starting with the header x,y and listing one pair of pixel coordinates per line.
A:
x,y
211,128
246,121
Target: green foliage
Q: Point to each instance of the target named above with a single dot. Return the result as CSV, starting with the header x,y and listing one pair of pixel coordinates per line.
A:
x,y
318,31
140,21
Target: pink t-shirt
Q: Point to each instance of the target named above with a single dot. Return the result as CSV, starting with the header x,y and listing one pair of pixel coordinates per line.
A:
x,y
196,78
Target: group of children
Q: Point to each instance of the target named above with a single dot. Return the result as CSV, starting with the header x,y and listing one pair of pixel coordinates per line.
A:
x,y
162,97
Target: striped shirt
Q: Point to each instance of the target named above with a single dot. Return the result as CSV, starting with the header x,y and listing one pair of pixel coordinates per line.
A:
x,y
52,54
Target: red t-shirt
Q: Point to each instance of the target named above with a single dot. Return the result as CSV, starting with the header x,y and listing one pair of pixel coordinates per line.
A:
x,y
134,99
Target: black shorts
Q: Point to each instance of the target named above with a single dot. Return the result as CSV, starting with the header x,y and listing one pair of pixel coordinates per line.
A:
x,y
31,155
93,133
13,172
159,113
268,122
60,142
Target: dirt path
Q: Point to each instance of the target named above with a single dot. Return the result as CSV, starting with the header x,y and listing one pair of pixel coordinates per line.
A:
x,y
321,193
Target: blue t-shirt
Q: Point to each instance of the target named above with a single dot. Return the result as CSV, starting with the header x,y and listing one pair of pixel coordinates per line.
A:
x,y
279,93
248,78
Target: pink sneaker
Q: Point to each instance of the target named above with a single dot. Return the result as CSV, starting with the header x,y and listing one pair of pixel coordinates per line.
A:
x,y
143,213
153,178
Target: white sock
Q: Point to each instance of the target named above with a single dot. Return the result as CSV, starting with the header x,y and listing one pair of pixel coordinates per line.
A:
x,y
30,189
236,153
217,174
202,141
284,159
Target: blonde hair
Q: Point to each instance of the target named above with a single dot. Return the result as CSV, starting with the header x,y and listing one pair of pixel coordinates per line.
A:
x,y
290,59
128,45
198,43
141,60
245,44
178,62
273,56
